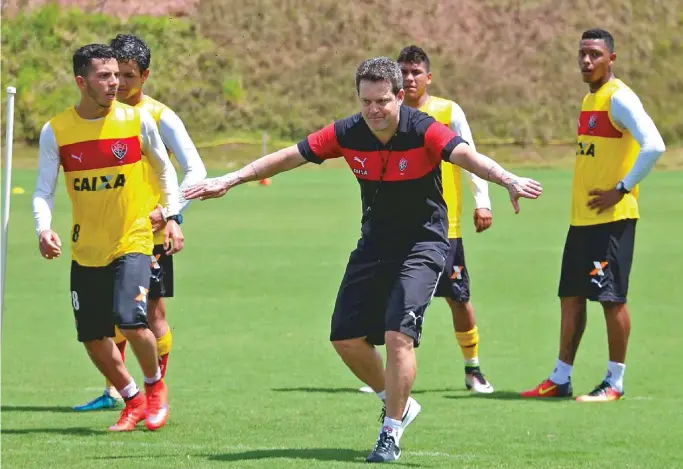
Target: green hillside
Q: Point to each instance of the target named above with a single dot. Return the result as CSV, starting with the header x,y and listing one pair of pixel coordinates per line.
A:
x,y
245,66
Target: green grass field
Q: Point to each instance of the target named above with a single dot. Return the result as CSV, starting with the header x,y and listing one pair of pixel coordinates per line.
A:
x,y
255,383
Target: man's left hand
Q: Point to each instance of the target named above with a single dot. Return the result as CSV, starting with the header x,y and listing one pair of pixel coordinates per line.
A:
x,y
603,200
482,219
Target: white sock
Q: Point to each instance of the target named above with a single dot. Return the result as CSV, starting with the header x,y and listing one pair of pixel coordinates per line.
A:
x,y
130,390
472,361
155,378
562,372
382,395
393,428
615,375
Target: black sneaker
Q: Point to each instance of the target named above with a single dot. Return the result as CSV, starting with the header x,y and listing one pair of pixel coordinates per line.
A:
x,y
385,449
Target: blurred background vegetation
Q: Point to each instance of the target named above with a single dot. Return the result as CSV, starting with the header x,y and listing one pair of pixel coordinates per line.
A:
x,y
235,68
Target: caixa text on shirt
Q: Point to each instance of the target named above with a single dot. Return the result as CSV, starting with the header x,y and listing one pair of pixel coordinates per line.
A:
x,y
99,183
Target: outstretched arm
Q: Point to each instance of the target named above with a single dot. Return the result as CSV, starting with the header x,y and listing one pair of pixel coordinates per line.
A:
x,y
265,167
483,166
315,148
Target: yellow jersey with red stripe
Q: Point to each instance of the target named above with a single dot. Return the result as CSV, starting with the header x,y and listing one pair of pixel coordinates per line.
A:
x,y
155,108
441,110
104,174
605,153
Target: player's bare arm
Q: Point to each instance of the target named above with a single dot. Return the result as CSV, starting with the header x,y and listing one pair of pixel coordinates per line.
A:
x,y
49,244
265,167
154,148
628,111
486,168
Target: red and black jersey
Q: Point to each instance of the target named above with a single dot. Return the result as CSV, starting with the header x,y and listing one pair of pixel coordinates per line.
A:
x,y
400,181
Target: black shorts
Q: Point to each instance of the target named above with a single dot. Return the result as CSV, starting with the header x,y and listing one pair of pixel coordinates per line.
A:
x,y
455,280
102,297
161,282
596,263
389,294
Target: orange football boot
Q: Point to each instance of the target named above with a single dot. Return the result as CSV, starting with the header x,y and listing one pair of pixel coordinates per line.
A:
x,y
132,413
157,405
549,389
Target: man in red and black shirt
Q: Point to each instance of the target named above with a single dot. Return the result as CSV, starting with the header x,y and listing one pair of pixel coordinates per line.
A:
x,y
395,152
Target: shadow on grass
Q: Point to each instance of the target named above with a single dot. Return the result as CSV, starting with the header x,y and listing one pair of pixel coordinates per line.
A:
x,y
316,454
35,408
75,431
352,390
509,396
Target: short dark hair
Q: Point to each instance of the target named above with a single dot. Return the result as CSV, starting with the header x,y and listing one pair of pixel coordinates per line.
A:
x,y
129,47
413,55
83,57
597,33
380,69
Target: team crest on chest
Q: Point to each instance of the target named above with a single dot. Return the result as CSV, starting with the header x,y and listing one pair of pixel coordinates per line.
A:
x,y
592,121
119,149
402,164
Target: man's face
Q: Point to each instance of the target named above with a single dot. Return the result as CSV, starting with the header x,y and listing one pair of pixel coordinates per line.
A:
x,y
101,81
379,105
131,80
595,60
415,79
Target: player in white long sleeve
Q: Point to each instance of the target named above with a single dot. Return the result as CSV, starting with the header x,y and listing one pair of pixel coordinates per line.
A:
x,y
454,285
618,144
134,59
99,143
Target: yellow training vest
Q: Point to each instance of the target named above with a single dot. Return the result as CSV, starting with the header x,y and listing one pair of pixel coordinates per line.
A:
x,y
106,184
441,110
605,154
155,108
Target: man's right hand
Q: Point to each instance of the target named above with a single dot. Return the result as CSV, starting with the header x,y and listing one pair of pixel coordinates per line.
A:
x,y
156,216
210,188
50,245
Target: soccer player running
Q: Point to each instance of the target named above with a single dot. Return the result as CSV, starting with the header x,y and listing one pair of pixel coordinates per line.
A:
x,y
134,59
618,144
395,152
454,284
99,143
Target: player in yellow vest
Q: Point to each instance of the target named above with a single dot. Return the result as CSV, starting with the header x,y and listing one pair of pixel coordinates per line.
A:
x,y
454,285
618,144
100,143
134,58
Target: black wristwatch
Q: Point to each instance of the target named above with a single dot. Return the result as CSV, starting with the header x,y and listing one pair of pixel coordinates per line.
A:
x,y
176,218
621,188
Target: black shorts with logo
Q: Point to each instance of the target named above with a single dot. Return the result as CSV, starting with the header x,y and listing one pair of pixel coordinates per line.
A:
x,y
597,259
455,280
161,282
102,297
379,294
